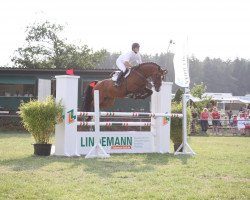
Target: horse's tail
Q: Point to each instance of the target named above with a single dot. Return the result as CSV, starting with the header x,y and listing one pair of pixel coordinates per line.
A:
x,y
88,97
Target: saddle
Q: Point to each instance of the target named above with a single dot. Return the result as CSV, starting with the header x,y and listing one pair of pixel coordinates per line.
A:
x,y
114,75
140,94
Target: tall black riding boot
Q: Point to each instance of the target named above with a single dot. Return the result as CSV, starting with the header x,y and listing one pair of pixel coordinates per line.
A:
x,y
118,81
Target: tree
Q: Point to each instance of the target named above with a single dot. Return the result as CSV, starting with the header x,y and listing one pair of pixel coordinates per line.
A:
x,y
198,91
178,96
109,61
46,49
195,70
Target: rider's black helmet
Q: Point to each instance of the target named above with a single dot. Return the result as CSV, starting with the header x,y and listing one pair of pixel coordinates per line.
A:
x,y
135,45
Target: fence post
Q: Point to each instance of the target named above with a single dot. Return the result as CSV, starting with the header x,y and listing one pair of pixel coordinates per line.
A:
x,y
97,150
161,103
66,132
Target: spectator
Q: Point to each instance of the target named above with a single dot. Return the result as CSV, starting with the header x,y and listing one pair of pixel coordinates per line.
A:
x,y
230,117
241,123
230,114
241,109
216,120
248,109
235,121
204,120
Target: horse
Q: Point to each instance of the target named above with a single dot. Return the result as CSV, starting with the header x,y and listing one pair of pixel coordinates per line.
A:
x,y
135,84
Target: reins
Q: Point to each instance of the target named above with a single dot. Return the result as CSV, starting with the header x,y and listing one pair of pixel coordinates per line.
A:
x,y
141,75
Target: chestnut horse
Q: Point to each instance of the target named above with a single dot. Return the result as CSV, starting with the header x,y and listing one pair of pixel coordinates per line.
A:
x,y
135,83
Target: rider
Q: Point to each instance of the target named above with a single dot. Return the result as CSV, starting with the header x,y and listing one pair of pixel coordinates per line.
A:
x,y
124,61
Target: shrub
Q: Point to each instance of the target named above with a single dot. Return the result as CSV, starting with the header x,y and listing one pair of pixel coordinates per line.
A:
x,y
40,117
176,123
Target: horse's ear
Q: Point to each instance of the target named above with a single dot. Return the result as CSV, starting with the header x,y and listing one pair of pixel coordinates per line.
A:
x,y
164,72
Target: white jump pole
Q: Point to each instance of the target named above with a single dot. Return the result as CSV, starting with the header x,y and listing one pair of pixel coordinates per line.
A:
x,y
97,150
187,150
130,114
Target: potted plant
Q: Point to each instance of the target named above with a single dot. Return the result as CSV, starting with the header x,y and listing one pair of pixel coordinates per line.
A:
x,y
176,124
39,118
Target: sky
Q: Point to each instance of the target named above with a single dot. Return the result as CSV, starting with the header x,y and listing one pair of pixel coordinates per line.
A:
x,y
212,28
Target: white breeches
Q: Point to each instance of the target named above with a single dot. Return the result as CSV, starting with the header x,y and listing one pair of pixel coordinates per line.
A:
x,y
120,65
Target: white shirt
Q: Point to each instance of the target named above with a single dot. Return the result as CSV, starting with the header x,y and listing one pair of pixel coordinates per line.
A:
x,y
130,57
241,123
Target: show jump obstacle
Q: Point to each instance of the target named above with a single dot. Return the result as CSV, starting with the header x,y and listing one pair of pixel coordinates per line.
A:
x,y
70,142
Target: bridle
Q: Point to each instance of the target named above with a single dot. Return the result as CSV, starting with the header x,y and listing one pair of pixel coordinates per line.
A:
x,y
141,74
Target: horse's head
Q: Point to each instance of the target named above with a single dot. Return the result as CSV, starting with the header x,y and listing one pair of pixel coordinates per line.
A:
x,y
154,72
157,78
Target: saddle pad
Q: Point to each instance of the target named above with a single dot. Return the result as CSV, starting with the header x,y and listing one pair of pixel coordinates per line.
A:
x,y
116,73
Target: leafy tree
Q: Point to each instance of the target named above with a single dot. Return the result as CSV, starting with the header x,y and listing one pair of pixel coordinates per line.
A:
x,y
46,49
109,61
240,74
195,70
178,96
198,91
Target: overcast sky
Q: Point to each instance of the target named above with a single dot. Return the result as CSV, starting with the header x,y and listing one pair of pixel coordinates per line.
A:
x,y
215,28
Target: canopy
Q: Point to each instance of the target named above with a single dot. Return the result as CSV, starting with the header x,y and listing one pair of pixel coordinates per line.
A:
x,y
28,80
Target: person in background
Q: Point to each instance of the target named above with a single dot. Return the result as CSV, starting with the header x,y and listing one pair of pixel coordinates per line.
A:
x,y
241,109
235,121
248,110
225,122
230,114
204,120
241,123
216,120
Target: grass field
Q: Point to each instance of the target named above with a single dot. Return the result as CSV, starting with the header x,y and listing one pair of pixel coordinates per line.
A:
x,y
220,170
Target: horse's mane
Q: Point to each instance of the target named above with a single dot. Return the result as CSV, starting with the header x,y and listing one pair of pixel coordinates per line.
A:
x,y
152,63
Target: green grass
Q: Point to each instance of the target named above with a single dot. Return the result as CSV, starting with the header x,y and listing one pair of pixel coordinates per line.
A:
x,y
220,170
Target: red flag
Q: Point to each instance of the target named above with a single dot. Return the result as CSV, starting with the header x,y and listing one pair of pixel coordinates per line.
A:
x,y
92,84
70,72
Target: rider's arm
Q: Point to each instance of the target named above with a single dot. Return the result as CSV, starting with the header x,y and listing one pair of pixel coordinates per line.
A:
x,y
139,59
127,64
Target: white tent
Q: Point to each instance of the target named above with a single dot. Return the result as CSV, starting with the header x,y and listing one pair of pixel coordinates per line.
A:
x,y
228,98
194,99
